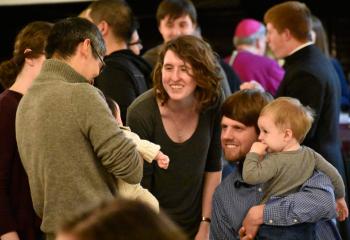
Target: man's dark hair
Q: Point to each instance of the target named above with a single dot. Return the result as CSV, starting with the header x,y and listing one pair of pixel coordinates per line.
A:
x,y
175,9
118,15
68,33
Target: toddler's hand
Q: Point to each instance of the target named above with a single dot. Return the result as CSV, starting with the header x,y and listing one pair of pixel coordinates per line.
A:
x,y
259,148
342,209
162,160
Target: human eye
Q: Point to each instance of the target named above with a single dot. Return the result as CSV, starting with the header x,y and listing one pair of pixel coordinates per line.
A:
x,y
169,24
238,128
184,69
183,25
167,67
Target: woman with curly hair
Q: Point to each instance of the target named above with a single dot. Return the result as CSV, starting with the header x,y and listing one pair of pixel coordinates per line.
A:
x,y
181,113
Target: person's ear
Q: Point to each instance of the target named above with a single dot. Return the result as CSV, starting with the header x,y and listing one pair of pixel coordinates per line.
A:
x,y
196,29
103,27
28,60
288,134
85,48
257,43
287,34
313,36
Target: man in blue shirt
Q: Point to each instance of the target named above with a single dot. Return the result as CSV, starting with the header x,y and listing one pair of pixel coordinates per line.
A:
x,y
236,211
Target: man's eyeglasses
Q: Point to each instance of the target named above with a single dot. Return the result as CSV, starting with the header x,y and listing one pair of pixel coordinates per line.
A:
x,y
138,42
103,64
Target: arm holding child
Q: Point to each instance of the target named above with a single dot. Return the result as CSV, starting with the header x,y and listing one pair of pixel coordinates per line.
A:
x,y
324,166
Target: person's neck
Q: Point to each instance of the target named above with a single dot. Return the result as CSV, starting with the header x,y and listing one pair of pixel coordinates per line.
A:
x,y
296,46
23,81
248,48
182,106
291,146
113,45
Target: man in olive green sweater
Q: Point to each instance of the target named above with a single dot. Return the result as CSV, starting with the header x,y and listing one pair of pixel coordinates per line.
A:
x,y
68,140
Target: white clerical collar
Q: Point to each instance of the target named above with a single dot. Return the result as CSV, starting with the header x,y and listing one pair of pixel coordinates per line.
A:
x,y
300,47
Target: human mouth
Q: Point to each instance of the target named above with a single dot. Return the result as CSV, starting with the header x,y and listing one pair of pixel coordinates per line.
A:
x,y
231,145
176,86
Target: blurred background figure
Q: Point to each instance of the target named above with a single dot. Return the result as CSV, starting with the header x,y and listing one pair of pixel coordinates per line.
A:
x,y
174,18
126,75
232,81
17,217
120,219
319,37
135,44
248,59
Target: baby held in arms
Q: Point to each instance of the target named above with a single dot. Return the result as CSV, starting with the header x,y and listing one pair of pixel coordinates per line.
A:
x,y
278,159
149,152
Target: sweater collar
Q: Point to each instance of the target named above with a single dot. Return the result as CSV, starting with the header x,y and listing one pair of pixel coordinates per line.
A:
x,y
59,67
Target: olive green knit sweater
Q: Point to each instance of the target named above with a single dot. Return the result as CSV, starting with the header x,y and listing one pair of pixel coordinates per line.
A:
x,y
70,145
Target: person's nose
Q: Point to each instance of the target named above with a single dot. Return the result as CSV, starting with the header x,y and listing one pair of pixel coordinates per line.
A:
x,y
175,32
267,39
175,75
226,133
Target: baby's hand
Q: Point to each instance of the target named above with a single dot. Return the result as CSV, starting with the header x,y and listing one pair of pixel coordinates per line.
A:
x,y
162,160
259,148
342,209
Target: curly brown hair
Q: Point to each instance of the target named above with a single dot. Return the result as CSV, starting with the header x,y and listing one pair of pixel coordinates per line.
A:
x,y
205,67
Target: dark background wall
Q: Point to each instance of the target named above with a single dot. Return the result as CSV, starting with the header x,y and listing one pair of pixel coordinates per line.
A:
x,y
216,17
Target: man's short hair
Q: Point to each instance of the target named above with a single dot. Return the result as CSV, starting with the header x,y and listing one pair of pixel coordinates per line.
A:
x,y
291,15
118,15
245,106
175,9
66,35
289,113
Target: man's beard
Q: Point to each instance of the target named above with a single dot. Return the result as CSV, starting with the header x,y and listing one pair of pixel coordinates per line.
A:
x,y
236,158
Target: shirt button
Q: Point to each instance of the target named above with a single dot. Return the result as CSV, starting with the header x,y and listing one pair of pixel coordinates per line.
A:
x,y
295,221
259,189
270,221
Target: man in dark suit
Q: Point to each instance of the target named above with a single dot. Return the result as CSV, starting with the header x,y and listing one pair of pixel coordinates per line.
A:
x,y
309,77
